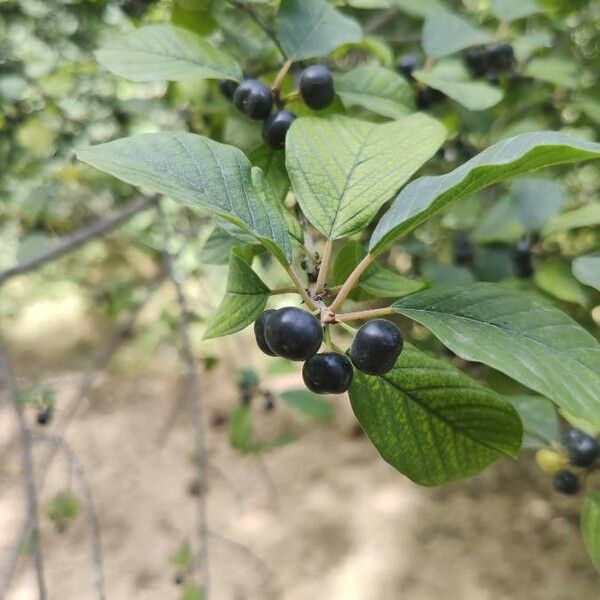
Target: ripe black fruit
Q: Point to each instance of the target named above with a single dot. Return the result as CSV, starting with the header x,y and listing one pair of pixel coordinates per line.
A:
x,y
427,97
293,333
259,332
500,56
228,88
376,346
566,482
522,257
476,61
327,373
44,416
254,99
407,64
316,87
582,448
276,127
462,250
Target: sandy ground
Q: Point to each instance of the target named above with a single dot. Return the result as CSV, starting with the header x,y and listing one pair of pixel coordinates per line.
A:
x,y
321,518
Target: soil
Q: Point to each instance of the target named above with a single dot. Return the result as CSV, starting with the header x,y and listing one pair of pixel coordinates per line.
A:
x,y
323,517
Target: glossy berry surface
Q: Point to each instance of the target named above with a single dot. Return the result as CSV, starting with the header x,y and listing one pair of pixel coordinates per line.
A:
x,y
376,346
316,87
228,87
407,64
293,333
259,332
582,448
254,99
476,61
566,482
327,373
500,56
276,127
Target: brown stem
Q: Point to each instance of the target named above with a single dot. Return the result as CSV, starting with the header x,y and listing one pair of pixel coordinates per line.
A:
x,y
322,278
352,280
363,315
291,289
300,288
281,76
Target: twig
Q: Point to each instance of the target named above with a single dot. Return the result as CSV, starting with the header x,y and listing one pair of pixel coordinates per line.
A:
x,y
291,289
381,20
196,410
79,237
324,267
364,314
352,280
301,289
281,76
28,475
92,515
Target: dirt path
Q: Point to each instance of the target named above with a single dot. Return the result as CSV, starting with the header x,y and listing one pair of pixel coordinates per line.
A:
x,y
321,518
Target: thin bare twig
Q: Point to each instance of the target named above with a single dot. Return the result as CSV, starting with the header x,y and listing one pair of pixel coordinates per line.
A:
x,y
92,516
196,409
79,237
28,474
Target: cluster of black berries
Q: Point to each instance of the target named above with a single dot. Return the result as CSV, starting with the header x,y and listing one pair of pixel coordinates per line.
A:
x,y
490,61
256,101
295,334
583,451
426,96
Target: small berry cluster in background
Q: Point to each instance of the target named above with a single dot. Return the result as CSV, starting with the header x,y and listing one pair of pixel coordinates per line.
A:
x,y
256,101
571,466
295,334
491,61
426,96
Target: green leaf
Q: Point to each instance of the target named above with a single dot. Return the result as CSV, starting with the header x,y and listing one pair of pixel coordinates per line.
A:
x,y
590,527
511,10
587,215
425,196
537,200
555,278
377,89
198,172
431,421
540,421
191,592
308,28
500,224
217,247
558,71
587,270
313,406
272,164
166,53
245,299
183,556
240,429
517,334
420,8
445,33
437,274
343,170
456,84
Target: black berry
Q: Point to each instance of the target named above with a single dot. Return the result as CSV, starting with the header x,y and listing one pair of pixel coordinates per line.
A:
x,y
376,346
259,332
500,56
476,61
316,87
462,250
293,333
228,88
427,97
44,416
522,258
407,64
582,448
276,127
254,99
327,373
566,482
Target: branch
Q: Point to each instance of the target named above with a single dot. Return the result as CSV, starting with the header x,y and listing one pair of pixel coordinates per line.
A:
x,y
196,409
79,237
28,475
349,284
324,267
363,315
92,516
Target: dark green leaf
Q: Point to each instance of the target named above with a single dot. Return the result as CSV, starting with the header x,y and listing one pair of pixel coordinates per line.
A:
x,y
425,196
431,421
445,33
166,53
590,527
196,171
308,28
513,332
540,421
537,200
245,299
